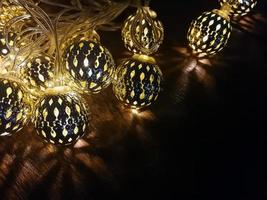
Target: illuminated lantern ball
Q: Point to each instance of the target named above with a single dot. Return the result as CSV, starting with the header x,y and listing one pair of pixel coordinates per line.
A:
x,y
138,82
39,71
209,34
61,118
13,107
90,64
143,33
239,7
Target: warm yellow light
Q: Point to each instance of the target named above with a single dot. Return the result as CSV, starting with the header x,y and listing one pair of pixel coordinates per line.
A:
x,y
209,33
238,8
142,32
135,111
138,82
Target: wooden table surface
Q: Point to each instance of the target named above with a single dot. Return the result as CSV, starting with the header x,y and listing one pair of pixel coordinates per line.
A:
x,y
205,137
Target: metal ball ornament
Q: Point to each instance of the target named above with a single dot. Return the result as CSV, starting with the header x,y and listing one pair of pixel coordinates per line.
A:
x,y
61,118
238,8
38,71
209,33
14,107
90,64
138,82
142,32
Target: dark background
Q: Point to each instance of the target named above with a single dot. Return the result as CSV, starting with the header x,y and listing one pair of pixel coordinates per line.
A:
x,y
205,138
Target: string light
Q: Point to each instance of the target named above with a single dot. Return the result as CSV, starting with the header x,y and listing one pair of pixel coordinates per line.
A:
x,y
210,32
90,64
61,116
38,72
138,80
48,65
142,32
14,106
239,8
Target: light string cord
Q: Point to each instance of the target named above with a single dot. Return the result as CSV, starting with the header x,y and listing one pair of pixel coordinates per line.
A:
x,y
86,22
10,24
43,20
25,36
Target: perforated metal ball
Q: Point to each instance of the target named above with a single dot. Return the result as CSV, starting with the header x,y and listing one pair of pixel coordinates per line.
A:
x,y
90,64
142,32
14,108
239,7
39,71
138,83
61,118
209,34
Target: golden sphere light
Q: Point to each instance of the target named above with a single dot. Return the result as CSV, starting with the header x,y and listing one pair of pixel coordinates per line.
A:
x,y
209,33
38,71
61,117
138,81
14,107
142,32
90,64
239,7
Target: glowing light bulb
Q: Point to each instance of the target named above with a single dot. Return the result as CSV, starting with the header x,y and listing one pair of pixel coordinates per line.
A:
x,y
38,71
61,117
135,111
238,8
138,82
14,106
142,32
90,64
209,33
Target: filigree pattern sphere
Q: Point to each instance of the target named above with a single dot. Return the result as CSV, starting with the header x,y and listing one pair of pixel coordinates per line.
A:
x,y
239,7
138,83
142,33
90,64
13,107
209,34
61,118
38,72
